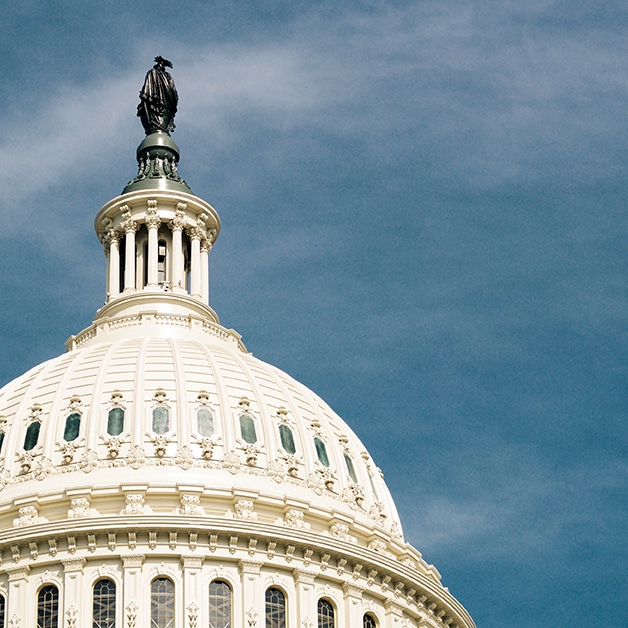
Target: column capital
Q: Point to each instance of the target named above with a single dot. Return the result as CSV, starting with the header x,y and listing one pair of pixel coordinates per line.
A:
x,y
195,233
192,562
16,572
394,608
351,590
303,576
108,237
73,564
132,561
153,221
129,226
206,245
177,223
250,567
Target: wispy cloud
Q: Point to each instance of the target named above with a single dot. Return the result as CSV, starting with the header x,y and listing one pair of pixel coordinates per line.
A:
x,y
437,74
528,511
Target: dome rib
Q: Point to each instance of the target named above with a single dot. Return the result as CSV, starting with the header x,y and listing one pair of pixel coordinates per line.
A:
x,y
12,431
224,406
293,414
95,408
183,435
138,401
264,423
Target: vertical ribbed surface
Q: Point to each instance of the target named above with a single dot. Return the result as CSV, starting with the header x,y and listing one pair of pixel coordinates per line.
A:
x,y
152,371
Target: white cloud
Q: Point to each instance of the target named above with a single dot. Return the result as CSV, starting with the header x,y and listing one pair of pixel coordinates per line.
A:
x,y
528,510
494,108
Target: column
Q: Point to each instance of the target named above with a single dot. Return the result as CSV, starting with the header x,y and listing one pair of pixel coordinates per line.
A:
x,y
132,609
130,227
307,602
113,280
394,614
353,605
20,605
72,594
192,595
252,595
152,223
205,248
176,224
195,235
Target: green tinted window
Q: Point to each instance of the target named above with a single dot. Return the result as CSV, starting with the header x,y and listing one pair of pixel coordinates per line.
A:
x,y
247,429
350,468
161,421
321,452
205,422
115,422
287,442
72,427
32,435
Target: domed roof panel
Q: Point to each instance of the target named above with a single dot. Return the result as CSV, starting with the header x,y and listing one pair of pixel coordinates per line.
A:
x,y
208,400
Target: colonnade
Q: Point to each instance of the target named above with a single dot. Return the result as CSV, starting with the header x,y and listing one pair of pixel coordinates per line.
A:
x,y
248,580
153,250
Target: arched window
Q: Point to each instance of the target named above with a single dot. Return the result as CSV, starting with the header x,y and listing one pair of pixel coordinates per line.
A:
x,y
1,440
205,422
161,420
104,604
115,421
369,621
247,429
275,609
162,603
350,468
48,607
321,451
2,610
219,605
287,441
326,618
32,435
72,427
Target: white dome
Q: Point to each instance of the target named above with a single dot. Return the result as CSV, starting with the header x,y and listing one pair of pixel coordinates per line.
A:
x,y
185,367
158,461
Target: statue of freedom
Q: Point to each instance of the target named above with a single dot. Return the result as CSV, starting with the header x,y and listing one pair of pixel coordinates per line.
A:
x,y
158,99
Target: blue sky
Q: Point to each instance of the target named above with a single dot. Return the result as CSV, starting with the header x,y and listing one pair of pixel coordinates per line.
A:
x,y
424,220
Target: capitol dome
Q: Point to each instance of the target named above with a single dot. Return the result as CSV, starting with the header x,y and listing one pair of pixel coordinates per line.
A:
x,y
159,474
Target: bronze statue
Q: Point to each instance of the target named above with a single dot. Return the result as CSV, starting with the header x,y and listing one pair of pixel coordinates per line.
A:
x,y
158,99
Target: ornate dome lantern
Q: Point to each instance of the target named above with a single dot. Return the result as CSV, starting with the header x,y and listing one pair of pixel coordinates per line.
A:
x,y
158,474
